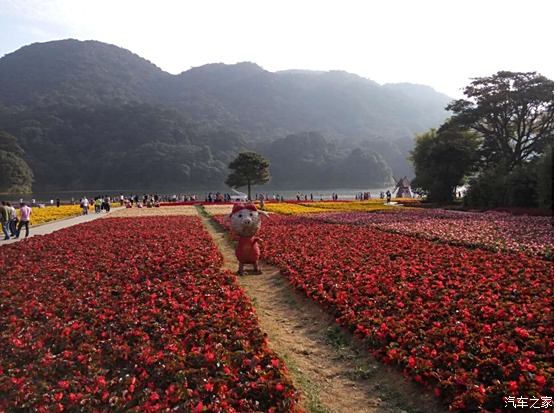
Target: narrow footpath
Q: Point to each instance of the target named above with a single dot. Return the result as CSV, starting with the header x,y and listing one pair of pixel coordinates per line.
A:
x,y
333,370
49,227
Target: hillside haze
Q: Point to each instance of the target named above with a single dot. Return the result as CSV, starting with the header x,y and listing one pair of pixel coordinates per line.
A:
x,y
71,102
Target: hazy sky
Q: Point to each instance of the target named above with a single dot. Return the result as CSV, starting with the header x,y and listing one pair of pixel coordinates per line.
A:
x,y
438,43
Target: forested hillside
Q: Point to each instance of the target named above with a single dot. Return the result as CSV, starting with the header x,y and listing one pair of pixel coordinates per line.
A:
x,y
89,115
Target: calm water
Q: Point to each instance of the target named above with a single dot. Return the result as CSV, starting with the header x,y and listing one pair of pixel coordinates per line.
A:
x,y
67,196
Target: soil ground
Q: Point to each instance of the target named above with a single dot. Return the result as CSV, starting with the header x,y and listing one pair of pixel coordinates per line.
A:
x,y
333,370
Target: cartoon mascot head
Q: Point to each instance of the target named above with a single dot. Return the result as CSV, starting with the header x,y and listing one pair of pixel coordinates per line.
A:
x,y
245,220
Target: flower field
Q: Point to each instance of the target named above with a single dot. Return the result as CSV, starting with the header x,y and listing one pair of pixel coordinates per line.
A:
x,y
291,208
52,213
186,210
117,315
471,324
359,206
497,231
286,208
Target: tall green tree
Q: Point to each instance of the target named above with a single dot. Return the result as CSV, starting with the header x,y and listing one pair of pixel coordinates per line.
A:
x,y
512,112
545,178
15,174
441,161
249,168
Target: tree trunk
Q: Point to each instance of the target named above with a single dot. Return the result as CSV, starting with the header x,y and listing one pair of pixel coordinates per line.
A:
x,y
249,190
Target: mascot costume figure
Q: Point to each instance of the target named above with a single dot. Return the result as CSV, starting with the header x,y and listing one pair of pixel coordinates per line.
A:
x,y
245,221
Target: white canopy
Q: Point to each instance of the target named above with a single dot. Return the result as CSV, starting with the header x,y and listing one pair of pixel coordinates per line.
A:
x,y
239,196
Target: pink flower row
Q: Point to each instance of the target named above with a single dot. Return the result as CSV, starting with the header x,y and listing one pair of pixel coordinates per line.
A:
x,y
498,231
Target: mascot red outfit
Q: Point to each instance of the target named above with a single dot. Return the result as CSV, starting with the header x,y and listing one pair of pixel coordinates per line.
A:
x,y
245,221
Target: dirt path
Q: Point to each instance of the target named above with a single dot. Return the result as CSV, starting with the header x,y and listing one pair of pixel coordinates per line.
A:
x,y
333,371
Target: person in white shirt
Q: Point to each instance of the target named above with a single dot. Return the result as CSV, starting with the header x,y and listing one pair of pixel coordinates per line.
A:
x,y
85,205
13,219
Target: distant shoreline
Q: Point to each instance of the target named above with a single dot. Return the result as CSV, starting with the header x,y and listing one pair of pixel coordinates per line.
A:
x,y
67,195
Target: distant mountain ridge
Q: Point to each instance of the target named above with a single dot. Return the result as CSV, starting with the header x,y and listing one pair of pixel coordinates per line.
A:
x,y
48,73
243,99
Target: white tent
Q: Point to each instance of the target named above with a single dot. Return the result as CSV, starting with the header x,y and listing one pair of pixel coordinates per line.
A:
x,y
239,196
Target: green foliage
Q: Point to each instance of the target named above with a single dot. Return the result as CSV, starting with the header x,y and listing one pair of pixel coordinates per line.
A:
x,y
512,112
249,168
15,174
123,146
545,178
336,337
363,169
442,160
486,190
302,160
75,73
394,152
8,143
495,188
93,115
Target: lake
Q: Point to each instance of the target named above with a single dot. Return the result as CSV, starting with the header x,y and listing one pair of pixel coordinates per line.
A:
x,y
67,196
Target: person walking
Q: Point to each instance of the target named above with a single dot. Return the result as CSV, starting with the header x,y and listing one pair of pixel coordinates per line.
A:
x,y
107,204
5,220
85,205
98,205
25,215
13,219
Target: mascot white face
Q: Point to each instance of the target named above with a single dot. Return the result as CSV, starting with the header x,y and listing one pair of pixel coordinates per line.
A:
x,y
245,222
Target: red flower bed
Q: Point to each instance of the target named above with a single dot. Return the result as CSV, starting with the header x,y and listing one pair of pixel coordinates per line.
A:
x,y
270,201
535,212
472,324
492,230
121,314
181,203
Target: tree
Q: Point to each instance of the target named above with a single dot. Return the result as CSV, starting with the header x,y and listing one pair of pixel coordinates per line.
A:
x,y
512,112
249,168
15,174
364,169
495,187
441,161
545,178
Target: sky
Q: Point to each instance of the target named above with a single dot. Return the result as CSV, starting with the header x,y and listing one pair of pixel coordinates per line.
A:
x,y
440,43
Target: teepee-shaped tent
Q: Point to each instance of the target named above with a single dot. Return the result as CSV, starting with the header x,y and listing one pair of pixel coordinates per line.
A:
x,y
402,189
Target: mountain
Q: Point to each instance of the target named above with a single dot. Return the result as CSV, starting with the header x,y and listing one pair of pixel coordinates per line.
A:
x,y
338,104
63,98
75,72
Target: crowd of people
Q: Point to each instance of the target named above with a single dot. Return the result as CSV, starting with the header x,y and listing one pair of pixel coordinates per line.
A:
x,y
363,196
100,203
12,221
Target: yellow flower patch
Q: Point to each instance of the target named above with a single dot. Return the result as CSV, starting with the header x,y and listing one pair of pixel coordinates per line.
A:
x,y
351,206
52,213
373,205
291,209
